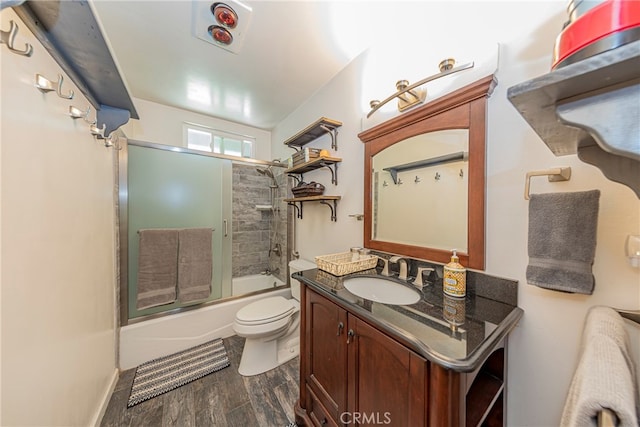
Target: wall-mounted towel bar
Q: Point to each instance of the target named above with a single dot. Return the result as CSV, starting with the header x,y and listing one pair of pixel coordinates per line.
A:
x,y
169,228
633,315
555,175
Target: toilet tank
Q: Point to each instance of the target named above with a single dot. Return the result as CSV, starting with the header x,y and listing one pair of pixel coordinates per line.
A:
x,y
295,266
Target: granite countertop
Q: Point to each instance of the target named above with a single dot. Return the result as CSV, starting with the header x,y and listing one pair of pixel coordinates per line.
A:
x,y
457,333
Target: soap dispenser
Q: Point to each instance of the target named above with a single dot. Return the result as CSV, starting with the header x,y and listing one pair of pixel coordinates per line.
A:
x,y
454,282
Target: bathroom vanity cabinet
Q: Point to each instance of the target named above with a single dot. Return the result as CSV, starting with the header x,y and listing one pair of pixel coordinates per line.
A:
x,y
358,366
351,367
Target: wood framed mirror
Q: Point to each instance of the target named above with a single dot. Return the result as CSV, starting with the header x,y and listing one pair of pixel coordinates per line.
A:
x,y
406,213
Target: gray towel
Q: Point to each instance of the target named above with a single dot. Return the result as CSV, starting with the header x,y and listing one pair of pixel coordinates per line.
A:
x,y
562,240
605,375
195,264
157,267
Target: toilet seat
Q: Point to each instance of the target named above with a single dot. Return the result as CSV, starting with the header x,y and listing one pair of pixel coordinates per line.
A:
x,y
267,310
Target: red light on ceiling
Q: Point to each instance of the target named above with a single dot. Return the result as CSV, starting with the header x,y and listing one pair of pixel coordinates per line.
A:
x,y
224,15
221,35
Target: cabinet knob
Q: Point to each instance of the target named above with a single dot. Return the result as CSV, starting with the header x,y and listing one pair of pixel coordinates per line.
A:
x,y
340,328
350,335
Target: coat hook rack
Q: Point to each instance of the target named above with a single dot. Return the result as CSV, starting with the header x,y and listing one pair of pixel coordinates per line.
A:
x,y
8,38
45,85
408,97
554,175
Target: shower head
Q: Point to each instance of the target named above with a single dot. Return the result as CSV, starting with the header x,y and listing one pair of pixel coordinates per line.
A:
x,y
266,172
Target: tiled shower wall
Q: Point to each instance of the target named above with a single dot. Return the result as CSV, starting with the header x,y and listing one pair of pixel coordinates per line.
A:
x,y
252,227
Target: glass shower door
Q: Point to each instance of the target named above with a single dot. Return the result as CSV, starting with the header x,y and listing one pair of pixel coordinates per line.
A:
x,y
168,189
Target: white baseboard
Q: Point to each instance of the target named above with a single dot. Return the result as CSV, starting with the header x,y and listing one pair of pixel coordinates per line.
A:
x,y
97,418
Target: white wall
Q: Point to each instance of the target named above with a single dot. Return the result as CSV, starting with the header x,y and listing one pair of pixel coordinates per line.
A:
x,y
544,347
162,124
57,242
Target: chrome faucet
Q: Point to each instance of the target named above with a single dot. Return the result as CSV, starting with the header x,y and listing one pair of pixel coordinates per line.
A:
x,y
402,275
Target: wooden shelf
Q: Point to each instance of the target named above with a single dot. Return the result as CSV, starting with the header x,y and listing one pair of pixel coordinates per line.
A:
x,y
69,31
330,163
589,108
316,130
330,201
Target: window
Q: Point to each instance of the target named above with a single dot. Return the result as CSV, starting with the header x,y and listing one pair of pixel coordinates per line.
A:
x,y
214,141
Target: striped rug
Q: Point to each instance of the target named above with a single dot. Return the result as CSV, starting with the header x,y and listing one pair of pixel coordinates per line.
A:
x,y
170,372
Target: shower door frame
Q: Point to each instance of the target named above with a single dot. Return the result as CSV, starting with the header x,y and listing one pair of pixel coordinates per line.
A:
x,y
123,225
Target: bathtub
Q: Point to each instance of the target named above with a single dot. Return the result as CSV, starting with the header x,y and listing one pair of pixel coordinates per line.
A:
x,y
150,339
255,282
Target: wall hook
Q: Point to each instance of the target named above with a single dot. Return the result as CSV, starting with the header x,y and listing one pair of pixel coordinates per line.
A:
x,y
112,141
385,184
8,38
76,113
98,132
45,85
461,174
417,179
399,181
437,177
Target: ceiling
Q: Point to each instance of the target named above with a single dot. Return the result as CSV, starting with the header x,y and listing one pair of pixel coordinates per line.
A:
x,y
290,50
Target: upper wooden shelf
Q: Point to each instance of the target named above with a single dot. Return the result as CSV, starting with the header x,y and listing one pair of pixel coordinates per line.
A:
x,y
315,130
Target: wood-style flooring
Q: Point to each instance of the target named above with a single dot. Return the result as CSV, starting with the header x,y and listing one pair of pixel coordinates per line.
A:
x,y
224,398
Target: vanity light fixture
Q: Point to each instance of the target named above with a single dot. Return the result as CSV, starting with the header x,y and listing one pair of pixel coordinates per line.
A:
x,y
409,95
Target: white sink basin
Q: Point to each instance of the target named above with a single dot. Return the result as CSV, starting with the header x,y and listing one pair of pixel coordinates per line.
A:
x,y
381,290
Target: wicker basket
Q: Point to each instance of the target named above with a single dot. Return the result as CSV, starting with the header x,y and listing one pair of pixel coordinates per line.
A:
x,y
305,190
341,264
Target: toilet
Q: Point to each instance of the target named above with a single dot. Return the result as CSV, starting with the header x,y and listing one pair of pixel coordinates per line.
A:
x,y
271,328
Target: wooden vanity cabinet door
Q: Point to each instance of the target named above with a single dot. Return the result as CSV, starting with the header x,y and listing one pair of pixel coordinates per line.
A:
x,y
387,381
326,358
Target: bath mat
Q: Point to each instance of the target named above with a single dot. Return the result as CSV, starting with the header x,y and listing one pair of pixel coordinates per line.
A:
x,y
170,372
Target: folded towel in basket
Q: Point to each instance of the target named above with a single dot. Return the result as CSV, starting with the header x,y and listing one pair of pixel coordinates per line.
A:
x,y
562,240
605,376
157,267
195,264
